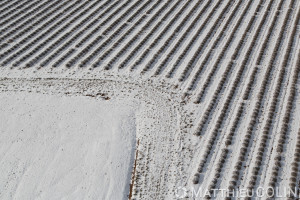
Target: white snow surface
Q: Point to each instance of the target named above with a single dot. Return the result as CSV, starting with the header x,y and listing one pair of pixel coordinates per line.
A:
x,y
61,147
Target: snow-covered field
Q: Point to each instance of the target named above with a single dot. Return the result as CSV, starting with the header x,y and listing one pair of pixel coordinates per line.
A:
x,y
57,147
205,94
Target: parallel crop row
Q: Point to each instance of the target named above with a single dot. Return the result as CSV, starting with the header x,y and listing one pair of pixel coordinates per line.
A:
x,y
21,14
19,9
219,122
209,79
142,32
219,39
224,155
80,14
291,100
63,58
283,136
29,20
294,176
262,51
141,44
91,16
115,34
167,42
60,20
180,41
99,26
36,11
153,31
124,36
230,136
253,122
68,34
225,109
47,20
61,30
75,37
8,5
274,103
195,38
222,82
75,59
192,62
99,38
157,40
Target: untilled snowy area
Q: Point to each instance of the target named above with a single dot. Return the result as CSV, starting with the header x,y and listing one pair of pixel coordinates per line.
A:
x,y
60,147
135,116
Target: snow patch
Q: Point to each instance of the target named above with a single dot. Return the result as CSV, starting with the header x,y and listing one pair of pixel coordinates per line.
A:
x,y
65,147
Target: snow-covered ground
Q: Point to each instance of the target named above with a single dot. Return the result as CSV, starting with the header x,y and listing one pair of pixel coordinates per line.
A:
x,y
60,147
142,118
